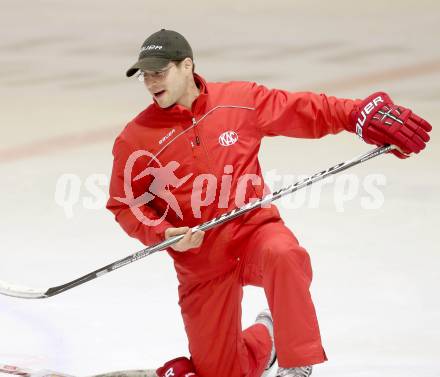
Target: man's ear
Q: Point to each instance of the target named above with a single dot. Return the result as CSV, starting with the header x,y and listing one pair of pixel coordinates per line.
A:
x,y
187,63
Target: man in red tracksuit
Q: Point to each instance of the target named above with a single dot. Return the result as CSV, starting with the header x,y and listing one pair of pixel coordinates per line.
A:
x,y
192,155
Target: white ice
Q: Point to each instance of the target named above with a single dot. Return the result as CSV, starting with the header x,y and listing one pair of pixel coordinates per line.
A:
x,y
64,98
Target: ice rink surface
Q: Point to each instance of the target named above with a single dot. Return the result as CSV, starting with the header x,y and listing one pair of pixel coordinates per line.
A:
x,y
64,98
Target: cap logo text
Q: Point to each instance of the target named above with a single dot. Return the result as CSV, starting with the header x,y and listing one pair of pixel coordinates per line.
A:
x,y
151,47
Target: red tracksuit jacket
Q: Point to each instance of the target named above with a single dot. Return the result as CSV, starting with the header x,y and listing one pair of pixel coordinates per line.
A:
x,y
224,127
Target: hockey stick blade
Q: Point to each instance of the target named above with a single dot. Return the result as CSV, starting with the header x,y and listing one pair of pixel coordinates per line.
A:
x,y
12,370
22,292
129,373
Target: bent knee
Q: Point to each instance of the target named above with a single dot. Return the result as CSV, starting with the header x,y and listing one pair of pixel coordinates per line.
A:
x,y
288,255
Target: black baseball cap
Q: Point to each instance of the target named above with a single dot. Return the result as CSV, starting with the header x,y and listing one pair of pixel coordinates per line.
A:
x,y
159,49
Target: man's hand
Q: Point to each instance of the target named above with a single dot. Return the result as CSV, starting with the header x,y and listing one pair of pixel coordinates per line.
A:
x,y
189,241
377,120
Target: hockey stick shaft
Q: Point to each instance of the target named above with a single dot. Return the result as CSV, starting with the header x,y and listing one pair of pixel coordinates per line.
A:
x,y
21,292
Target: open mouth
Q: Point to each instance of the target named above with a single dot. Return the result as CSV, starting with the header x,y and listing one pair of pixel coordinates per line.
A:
x,y
159,93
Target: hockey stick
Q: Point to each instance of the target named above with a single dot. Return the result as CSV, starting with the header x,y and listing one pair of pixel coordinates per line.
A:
x,y
23,292
129,373
12,370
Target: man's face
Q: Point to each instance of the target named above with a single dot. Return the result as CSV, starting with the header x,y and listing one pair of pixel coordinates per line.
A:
x,y
168,85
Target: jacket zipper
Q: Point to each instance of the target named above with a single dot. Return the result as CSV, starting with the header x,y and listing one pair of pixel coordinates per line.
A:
x,y
194,122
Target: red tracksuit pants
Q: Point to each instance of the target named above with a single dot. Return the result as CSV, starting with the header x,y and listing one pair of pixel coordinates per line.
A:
x,y
271,258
